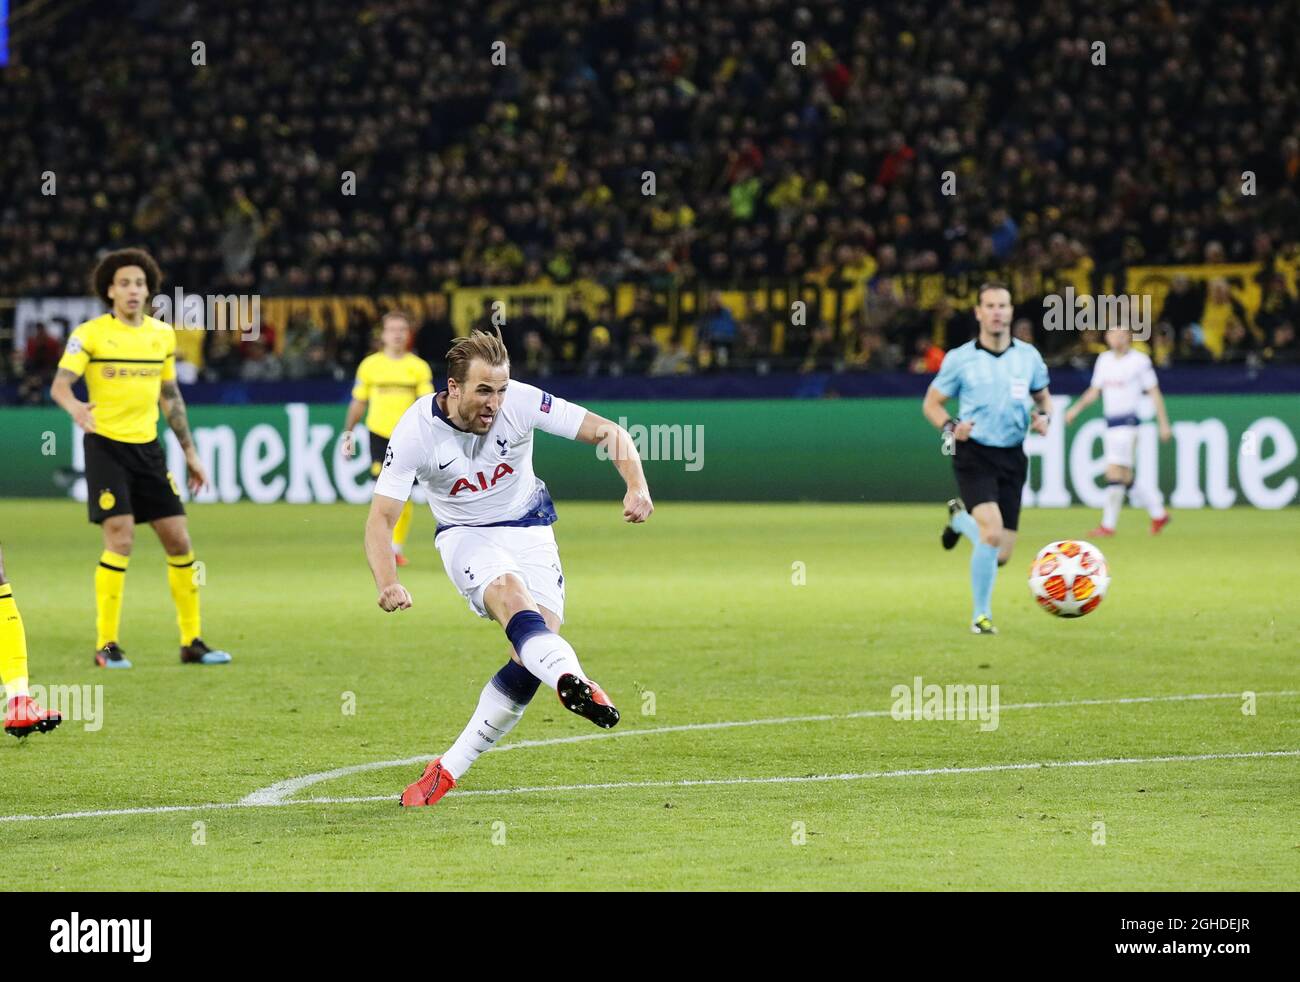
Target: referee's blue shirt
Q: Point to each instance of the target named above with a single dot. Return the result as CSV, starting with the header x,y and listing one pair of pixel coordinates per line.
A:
x,y
994,390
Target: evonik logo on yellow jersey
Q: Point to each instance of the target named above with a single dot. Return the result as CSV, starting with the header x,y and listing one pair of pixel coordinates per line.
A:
x,y
147,371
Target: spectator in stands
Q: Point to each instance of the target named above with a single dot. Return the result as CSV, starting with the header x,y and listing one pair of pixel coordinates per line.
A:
x,y
599,356
717,327
1277,303
1282,344
573,332
1221,309
824,354
480,176
434,335
517,329
535,361
1182,305
866,349
260,363
187,373
927,357
672,360
642,352
42,352
1238,342
1164,345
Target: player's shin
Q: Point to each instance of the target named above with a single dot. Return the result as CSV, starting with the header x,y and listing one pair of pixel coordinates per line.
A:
x,y
185,594
547,655
500,706
983,573
1150,498
13,645
1115,492
110,582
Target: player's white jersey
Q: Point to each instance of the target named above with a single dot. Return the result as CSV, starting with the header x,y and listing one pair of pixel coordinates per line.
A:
x,y
1123,380
472,479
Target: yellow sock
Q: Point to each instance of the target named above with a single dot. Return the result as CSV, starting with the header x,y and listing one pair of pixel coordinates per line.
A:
x,y
185,594
13,645
403,526
110,583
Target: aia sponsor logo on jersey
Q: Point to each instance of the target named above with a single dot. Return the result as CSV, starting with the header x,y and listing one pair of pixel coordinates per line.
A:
x,y
484,483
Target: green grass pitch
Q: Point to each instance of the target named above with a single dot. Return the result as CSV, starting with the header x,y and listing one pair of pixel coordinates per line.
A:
x,y
697,616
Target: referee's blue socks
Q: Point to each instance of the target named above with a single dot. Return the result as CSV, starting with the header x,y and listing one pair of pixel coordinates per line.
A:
x,y
963,522
983,571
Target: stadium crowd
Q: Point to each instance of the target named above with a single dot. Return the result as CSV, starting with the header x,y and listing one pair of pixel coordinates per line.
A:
x,y
412,145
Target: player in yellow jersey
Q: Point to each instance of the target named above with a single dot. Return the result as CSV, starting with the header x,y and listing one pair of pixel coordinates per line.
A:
x,y
22,714
128,359
387,383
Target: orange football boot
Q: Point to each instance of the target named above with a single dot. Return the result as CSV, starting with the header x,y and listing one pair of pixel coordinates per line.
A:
x,y
25,715
435,782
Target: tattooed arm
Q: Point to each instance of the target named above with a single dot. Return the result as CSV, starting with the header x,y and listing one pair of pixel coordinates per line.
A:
x,y
173,407
61,392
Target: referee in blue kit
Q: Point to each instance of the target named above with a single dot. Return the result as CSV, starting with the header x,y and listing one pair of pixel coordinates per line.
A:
x,y
1000,385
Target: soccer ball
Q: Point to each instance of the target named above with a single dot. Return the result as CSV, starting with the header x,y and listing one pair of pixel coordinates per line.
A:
x,y
1069,578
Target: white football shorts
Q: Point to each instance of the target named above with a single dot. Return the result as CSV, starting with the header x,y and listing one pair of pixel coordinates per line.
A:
x,y
474,557
1121,446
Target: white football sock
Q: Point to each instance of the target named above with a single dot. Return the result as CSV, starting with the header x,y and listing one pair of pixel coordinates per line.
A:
x,y
1114,501
495,716
1151,499
548,656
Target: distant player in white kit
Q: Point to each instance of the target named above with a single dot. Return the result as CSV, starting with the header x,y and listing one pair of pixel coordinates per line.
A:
x,y
1122,376
471,448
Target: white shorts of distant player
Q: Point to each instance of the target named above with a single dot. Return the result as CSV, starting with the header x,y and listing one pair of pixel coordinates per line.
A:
x,y
1121,446
474,557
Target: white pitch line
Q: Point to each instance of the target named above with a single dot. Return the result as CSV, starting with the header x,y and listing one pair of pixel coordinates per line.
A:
x,y
282,790
703,782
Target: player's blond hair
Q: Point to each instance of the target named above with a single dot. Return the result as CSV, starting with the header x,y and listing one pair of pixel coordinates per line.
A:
x,y
487,346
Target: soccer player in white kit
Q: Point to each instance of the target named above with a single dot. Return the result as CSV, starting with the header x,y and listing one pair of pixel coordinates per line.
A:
x,y
471,448
1122,376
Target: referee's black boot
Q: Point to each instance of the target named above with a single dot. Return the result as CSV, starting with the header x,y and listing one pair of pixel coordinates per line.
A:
x,y
950,535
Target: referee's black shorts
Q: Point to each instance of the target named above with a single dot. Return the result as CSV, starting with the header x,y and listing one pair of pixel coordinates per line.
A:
x,y
378,447
129,479
991,474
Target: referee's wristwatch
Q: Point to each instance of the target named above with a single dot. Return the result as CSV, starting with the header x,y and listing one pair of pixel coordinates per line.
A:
x,y
948,441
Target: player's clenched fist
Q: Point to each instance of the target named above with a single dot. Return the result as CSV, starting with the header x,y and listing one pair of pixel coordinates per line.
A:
x,y
637,506
394,597
962,430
